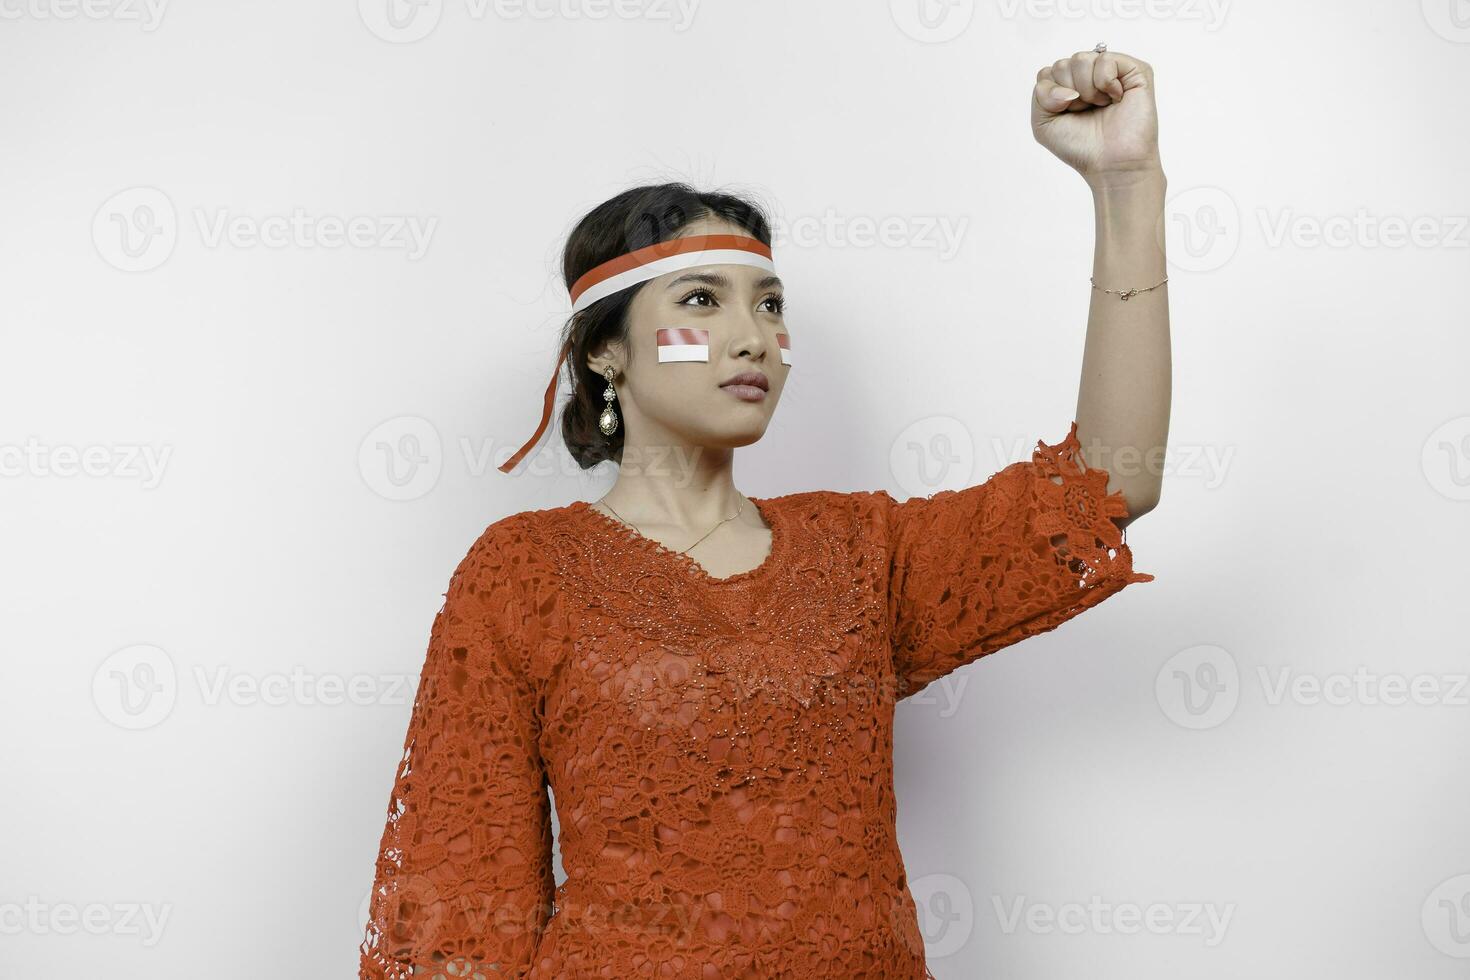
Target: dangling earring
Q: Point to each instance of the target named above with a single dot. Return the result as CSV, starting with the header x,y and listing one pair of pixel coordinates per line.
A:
x,y
608,420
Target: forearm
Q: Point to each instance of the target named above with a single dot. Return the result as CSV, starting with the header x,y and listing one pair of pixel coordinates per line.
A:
x,y
1123,398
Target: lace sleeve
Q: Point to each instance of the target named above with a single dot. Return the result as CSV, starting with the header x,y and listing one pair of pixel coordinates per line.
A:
x,y
464,883
975,570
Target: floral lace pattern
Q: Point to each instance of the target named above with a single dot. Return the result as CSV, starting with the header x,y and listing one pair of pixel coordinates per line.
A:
x,y
719,749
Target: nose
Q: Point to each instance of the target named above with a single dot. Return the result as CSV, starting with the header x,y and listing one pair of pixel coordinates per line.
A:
x,y
748,339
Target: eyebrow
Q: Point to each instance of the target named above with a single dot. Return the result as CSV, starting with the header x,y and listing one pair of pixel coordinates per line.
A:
x,y
722,282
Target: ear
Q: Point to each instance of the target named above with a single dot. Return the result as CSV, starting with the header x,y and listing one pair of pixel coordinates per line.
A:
x,y
603,354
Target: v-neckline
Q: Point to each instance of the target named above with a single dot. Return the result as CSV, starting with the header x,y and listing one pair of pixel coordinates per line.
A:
x,y
690,565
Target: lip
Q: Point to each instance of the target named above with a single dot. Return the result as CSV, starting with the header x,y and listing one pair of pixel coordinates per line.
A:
x,y
750,386
752,378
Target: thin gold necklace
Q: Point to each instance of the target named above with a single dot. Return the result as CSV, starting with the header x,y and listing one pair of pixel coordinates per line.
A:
x,y
681,551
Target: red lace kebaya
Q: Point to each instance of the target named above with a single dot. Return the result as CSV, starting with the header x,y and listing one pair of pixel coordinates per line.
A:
x,y
720,750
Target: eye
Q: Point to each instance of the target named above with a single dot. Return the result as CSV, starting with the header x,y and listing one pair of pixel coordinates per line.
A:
x,y
778,303
704,291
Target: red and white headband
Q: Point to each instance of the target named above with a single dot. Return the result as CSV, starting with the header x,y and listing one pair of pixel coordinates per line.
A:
x,y
640,266
662,258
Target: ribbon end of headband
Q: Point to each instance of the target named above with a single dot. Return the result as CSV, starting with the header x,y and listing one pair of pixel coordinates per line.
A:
x,y
530,444
548,400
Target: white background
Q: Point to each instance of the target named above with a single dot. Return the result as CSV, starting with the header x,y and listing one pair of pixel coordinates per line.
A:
x,y
1312,526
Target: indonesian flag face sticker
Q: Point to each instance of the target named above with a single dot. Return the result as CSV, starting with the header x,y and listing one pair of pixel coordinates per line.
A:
x,y
692,344
683,344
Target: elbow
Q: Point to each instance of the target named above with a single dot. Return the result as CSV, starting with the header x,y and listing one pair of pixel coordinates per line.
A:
x,y
1139,502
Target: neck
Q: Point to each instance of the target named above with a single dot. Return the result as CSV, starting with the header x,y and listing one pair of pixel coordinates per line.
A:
x,y
675,483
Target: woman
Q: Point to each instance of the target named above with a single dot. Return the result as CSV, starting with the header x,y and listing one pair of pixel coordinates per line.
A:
x,y
705,680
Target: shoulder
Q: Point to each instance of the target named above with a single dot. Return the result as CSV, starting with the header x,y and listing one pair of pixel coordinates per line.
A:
x,y
519,556
822,500
497,564
515,535
492,590
495,543
834,510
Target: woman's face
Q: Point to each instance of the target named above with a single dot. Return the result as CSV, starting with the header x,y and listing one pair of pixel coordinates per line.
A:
x,y
682,402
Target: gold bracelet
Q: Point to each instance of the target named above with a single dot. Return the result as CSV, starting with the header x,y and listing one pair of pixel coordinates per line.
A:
x,y
1127,294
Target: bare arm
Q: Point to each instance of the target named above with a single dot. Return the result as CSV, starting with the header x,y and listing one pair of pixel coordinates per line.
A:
x,y
1096,112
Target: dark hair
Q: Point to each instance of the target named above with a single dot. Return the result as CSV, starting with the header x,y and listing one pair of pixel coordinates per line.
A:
x,y
636,218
